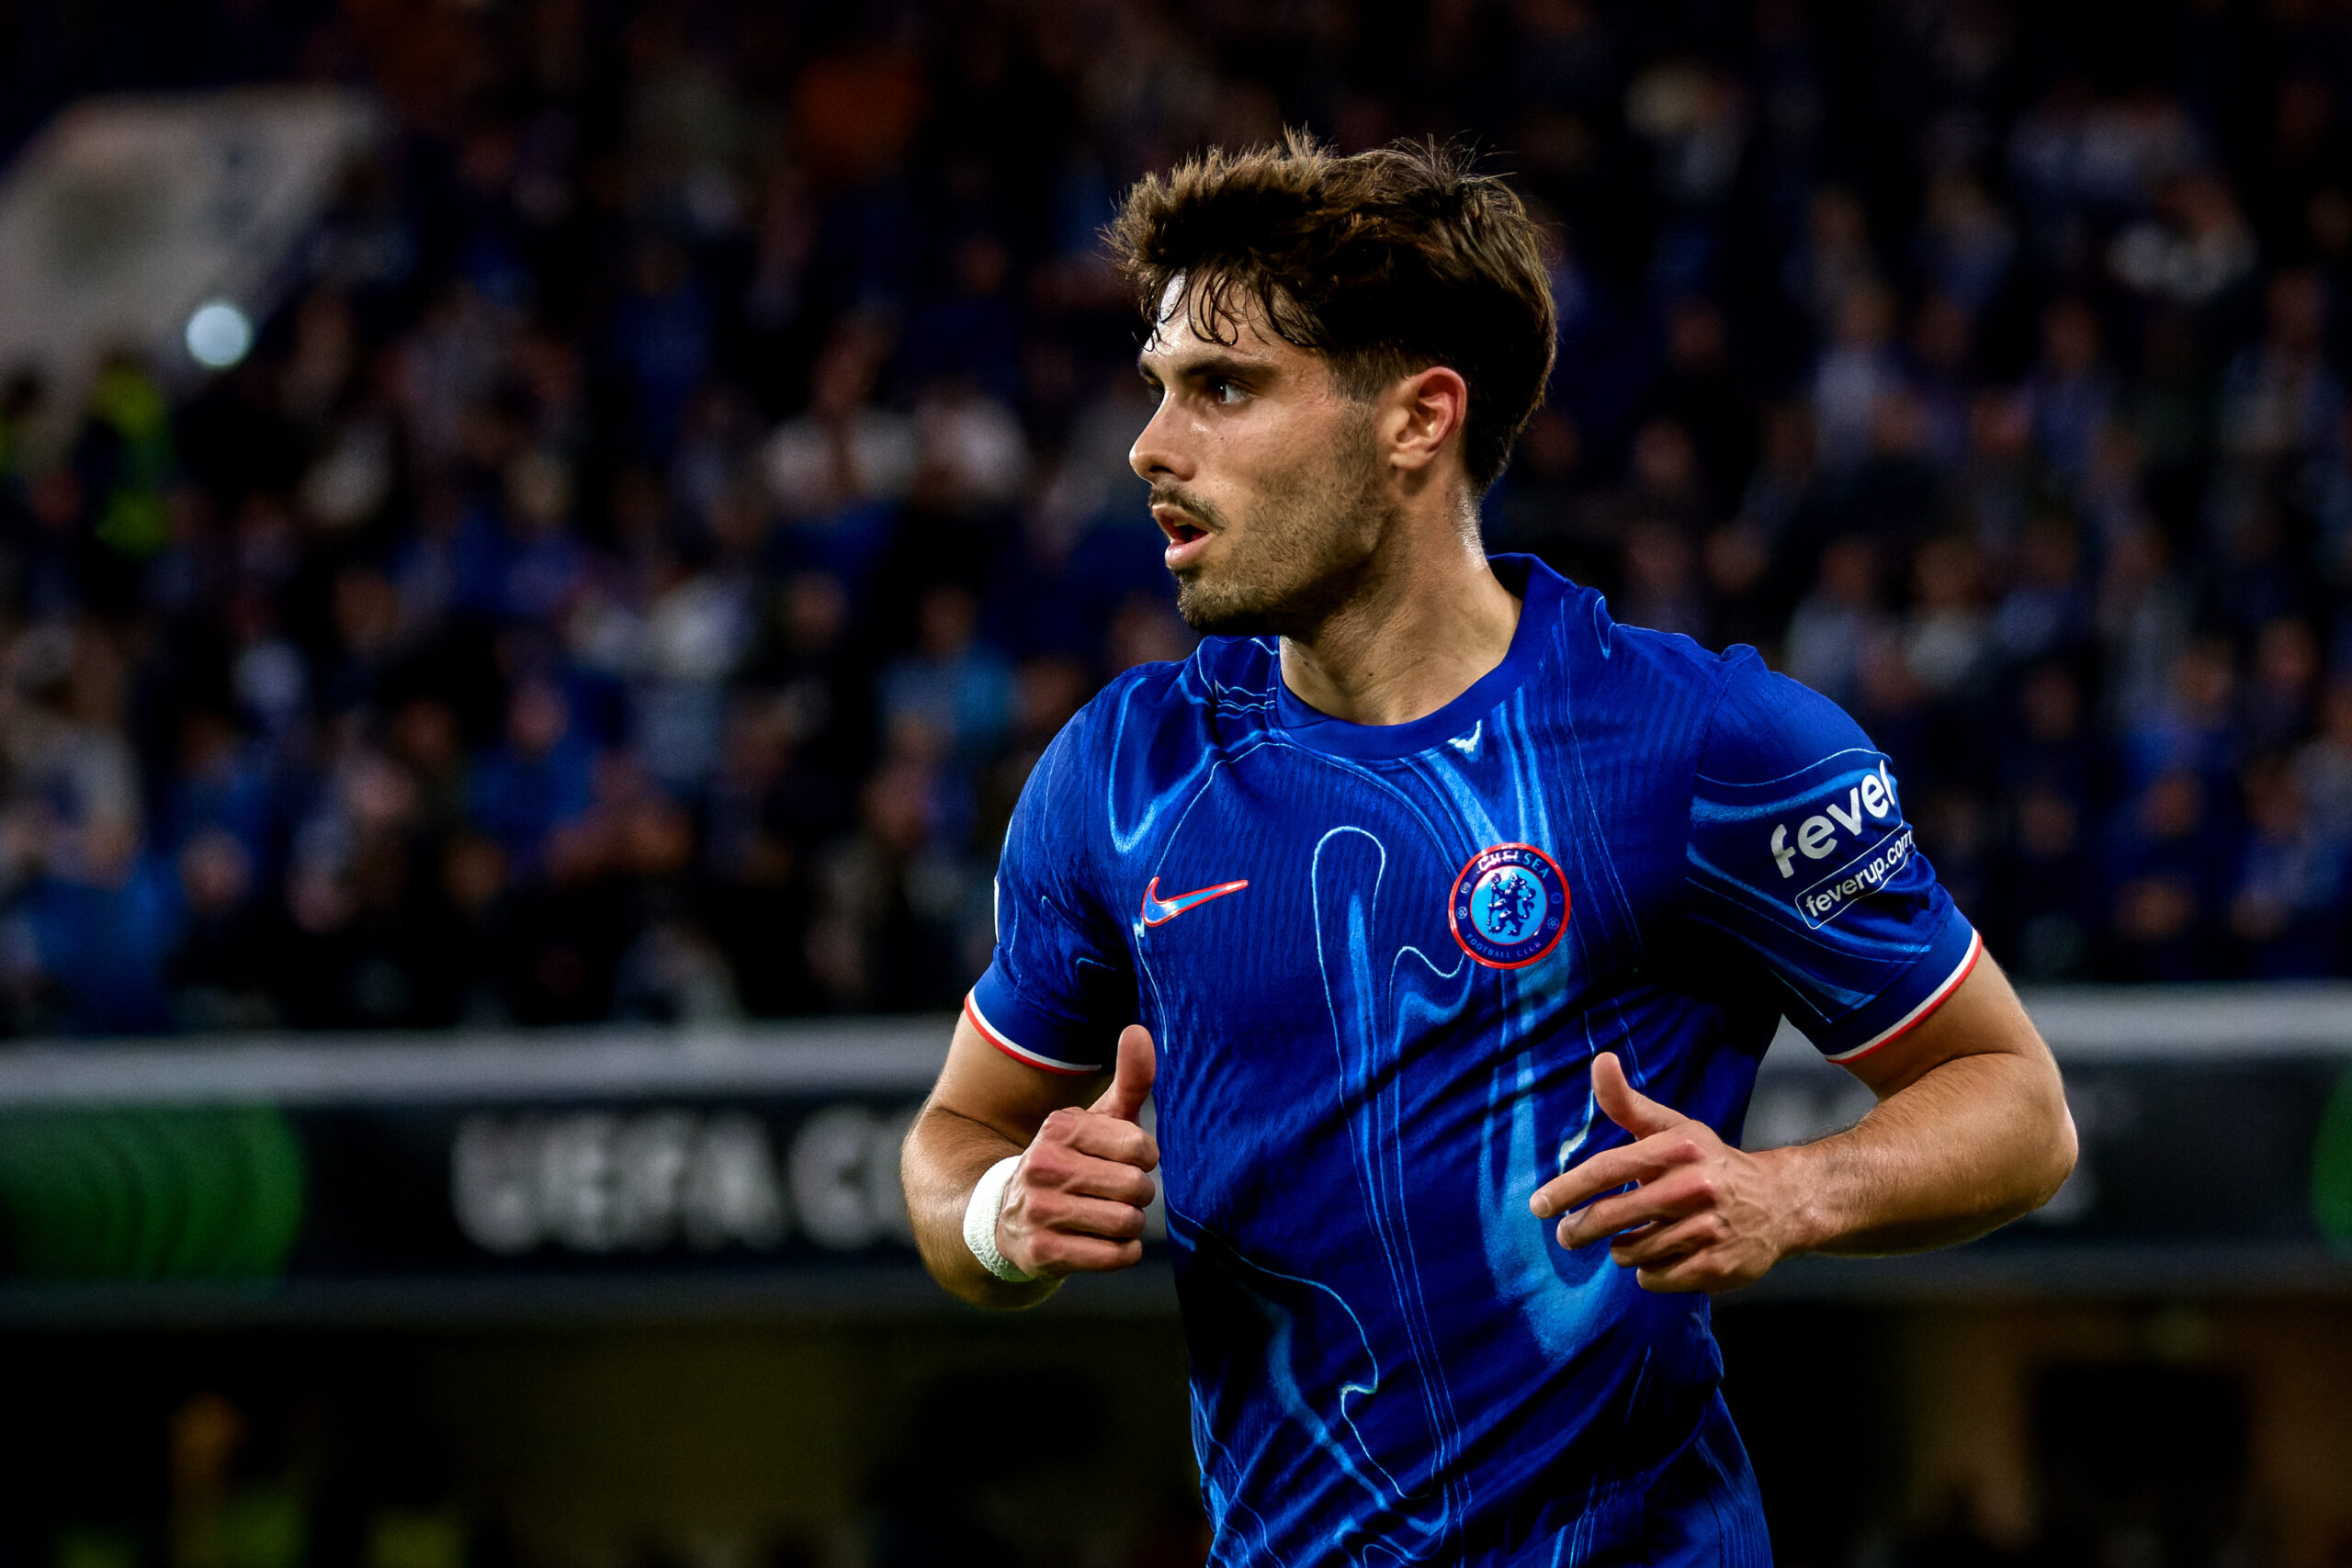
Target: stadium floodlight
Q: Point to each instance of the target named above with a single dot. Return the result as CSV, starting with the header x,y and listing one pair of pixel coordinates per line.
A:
x,y
219,334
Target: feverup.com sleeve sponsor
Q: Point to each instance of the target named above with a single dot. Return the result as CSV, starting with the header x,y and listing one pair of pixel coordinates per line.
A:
x,y
1859,834
1866,872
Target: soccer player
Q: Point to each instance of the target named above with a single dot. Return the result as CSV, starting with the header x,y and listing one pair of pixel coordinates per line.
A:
x,y
1447,920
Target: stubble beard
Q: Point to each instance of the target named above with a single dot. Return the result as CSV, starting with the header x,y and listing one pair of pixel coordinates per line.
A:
x,y
1301,555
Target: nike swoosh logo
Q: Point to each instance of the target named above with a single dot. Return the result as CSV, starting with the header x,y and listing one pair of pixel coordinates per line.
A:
x,y
1158,911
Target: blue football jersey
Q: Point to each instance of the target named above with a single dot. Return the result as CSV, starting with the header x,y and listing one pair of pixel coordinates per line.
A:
x,y
1377,962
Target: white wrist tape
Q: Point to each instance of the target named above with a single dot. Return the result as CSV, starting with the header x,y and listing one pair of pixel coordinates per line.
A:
x,y
979,1221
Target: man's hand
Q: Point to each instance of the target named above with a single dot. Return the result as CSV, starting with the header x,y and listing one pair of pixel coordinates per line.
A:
x,y
1970,1131
1704,1215
1075,1205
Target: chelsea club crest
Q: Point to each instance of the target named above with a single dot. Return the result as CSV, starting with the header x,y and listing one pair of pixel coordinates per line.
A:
x,y
1509,905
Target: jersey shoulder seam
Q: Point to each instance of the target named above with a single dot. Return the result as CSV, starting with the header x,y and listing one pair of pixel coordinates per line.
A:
x,y
1725,667
1091,737
1087,746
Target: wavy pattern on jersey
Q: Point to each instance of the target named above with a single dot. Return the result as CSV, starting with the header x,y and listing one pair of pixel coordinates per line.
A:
x,y
1348,862
1562,1295
1559,1295
1308,1323
1366,1410
1133,811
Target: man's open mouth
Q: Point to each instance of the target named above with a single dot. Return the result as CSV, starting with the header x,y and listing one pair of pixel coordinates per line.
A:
x,y
1185,536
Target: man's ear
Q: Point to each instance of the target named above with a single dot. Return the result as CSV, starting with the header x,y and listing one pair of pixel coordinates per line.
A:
x,y
1424,417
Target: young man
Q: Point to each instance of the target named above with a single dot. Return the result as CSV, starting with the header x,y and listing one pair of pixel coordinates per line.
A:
x,y
1449,919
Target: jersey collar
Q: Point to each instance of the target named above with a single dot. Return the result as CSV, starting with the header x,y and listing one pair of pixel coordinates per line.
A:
x,y
1539,588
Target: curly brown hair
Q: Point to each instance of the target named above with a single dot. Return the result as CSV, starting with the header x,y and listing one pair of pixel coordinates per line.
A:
x,y
1385,263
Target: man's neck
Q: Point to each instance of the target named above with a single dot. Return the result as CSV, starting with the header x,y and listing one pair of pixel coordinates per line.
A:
x,y
1420,633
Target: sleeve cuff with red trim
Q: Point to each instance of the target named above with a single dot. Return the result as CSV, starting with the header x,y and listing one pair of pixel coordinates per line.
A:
x,y
1032,1036
1902,1007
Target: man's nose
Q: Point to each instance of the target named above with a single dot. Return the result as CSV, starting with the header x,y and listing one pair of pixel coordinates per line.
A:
x,y
1158,454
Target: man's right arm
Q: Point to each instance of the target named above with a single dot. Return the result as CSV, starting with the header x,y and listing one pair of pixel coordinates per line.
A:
x,y
1076,1202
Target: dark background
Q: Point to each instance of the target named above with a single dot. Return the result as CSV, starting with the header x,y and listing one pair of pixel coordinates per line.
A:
x,y
685,486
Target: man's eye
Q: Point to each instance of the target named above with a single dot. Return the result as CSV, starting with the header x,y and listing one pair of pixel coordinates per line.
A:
x,y
1223,390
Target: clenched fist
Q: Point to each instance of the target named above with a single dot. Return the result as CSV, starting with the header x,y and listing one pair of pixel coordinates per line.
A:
x,y
1076,1202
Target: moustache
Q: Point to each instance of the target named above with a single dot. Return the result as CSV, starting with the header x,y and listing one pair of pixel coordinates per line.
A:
x,y
1185,501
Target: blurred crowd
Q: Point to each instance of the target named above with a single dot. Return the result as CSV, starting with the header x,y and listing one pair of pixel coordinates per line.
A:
x,y
638,563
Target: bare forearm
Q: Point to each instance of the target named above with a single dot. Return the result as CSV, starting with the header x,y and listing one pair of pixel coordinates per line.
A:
x,y
1977,1142
945,1157
1971,1131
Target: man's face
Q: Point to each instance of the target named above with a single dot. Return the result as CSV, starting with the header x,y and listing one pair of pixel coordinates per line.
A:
x,y
1264,477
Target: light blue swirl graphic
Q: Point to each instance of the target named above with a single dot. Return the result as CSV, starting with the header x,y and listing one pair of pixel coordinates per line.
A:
x,y
1346,893
1561,1295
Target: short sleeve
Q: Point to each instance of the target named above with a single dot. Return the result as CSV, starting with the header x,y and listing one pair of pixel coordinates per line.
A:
x,y
1060,986
1800,852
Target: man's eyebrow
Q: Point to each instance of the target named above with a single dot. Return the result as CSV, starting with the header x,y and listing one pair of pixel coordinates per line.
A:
x,y
1194,368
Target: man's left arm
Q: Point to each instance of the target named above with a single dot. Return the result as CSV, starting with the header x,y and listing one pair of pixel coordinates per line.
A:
x,y
1969,1132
